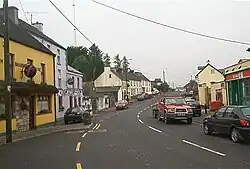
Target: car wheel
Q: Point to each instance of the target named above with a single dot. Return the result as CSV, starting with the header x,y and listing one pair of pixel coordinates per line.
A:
x,y
206,129
189,121
159,117
66,122
166,120
235,135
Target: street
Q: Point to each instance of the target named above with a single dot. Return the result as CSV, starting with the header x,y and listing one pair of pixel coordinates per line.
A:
x,y
128,139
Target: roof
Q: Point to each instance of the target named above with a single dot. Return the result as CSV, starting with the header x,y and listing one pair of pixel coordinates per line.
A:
x,y
221,71
73,70
19,35
122,75
31,29
107,89
141,76
243,60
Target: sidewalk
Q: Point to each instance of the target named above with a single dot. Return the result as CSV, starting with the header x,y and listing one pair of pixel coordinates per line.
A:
x,y
55,128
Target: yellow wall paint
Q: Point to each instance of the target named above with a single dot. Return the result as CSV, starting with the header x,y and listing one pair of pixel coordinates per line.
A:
x,y
21,54
3,123
235,68
44,118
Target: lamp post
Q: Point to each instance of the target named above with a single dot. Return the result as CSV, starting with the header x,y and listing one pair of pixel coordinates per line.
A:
x,y
7,78
126,78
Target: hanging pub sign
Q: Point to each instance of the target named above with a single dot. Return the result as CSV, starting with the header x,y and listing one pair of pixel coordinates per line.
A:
x,y
70,81
30,70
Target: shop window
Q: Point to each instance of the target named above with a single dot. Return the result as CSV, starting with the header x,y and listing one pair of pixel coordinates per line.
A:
x,y
43,104
60,100
246,91
110,76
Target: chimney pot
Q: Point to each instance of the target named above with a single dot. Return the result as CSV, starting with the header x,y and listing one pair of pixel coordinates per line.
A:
x,y
38,25
13,13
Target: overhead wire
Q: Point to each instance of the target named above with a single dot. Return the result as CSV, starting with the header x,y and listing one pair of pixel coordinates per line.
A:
x,y
171,27
20,2
60,11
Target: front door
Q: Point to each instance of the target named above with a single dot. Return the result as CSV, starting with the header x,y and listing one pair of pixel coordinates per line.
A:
x,y
32,113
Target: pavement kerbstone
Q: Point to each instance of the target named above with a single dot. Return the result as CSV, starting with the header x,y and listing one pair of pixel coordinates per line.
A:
x,y
45,131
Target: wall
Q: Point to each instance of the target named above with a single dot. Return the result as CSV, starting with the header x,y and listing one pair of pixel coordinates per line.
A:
x,y
217,86
3,123
237,67
21,54
207,77
202,91
105,80
59,65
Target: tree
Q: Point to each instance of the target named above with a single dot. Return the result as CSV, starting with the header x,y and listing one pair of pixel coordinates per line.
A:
x,y
106,60
125,63
88,61
117,62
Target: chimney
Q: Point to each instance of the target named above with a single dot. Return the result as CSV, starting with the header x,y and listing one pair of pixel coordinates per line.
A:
x,y
38,25
13,13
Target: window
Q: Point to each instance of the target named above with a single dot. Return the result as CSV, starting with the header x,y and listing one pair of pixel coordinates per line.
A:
x,y
79,101
229,112
78,83
48,46
73,84
58,57
110,76
29,61
43,104
43,75
246,111
11,56
60,100
212,71
221,112
59,78
75,101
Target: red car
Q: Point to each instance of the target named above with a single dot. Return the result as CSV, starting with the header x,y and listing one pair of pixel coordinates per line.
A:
x,y
174,108
122,104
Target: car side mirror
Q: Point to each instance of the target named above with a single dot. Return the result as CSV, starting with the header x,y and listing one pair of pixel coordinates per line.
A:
x,y
161,103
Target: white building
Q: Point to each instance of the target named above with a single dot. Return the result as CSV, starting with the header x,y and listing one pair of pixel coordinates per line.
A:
x,y
74,87
36,30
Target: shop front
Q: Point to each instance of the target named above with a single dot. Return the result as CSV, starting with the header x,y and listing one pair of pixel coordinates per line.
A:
x,y
238,87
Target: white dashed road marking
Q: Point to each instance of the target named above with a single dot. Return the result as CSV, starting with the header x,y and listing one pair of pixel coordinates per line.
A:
x,y
95,126
159,131
140,121
204,148
78,146
84,135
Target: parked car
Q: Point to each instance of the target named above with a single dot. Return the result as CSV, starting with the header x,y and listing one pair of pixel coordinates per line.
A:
x,y
174,108
195,105
141,97
231,120
122,104
77,114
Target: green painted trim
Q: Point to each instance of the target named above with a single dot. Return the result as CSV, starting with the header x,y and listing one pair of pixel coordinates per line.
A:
x,y
60,119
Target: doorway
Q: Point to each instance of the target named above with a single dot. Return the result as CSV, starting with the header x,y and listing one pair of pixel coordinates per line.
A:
x,y
32,113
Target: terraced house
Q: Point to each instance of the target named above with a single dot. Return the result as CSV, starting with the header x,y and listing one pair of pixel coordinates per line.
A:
x,y
33,78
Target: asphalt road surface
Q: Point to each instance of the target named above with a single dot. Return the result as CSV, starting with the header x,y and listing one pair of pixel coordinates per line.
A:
x,y
128,139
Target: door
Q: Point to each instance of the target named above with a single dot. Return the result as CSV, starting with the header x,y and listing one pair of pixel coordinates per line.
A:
x,y
32,112
216,121
70,101
229,119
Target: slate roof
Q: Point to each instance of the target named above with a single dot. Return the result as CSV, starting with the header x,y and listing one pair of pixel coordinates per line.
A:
x,y
19,35
71,69
31,29
107,89
219,70
136,76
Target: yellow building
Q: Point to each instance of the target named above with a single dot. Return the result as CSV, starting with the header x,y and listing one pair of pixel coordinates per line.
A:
x,y
32,98
209,81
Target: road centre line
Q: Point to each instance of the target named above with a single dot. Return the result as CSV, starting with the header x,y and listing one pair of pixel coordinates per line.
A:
x,y
138,116
78,166
78,146
95,126
98,127
159,131
204,148
140,121
84,135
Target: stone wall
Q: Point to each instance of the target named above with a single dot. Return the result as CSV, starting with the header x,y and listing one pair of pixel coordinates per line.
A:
x,y
22,113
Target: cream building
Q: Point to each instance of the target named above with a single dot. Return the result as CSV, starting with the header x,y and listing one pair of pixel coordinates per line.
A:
x,y
209,81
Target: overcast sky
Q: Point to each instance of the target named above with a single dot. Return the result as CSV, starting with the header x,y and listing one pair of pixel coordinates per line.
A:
x,y
152,48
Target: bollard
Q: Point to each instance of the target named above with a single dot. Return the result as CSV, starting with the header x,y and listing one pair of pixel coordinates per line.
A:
x,y
205,108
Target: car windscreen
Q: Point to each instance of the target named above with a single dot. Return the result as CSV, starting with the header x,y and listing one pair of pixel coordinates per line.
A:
x,y
121,102
246,111
175,101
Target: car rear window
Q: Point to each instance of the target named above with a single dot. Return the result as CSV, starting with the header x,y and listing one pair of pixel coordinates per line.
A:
x,y
175,101
246,111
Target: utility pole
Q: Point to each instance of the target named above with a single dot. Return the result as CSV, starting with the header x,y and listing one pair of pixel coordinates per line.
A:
x,y
126,78
163,74
7,78
74,10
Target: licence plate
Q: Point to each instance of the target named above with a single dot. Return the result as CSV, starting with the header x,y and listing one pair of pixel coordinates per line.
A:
x,y
71,114
181,114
